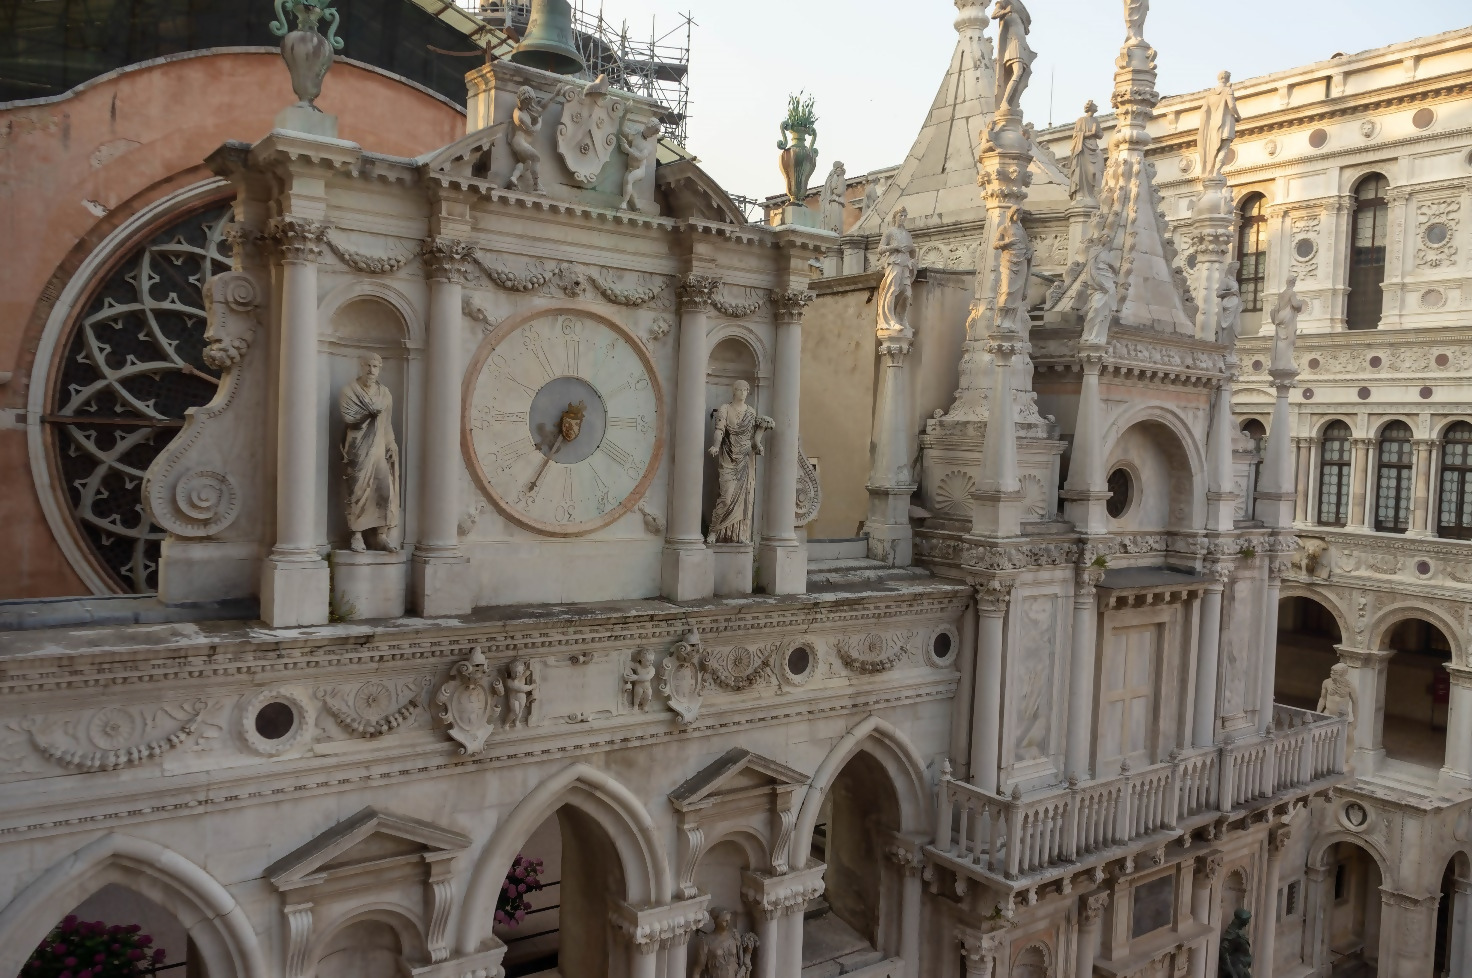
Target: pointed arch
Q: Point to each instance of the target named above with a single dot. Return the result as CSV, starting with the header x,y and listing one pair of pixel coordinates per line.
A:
x,y
216,923
894,752
607,802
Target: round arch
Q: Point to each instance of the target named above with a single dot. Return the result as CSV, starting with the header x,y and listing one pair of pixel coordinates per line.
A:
x,y
1447,423
610,804
362,288
1322,424
746,335
894,752
1387,619
1318,854
750,841
1179,499
216,923
1382,423
1138,414
1341,617
392,916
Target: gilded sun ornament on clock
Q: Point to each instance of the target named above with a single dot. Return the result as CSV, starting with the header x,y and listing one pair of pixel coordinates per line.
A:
x,y
563,421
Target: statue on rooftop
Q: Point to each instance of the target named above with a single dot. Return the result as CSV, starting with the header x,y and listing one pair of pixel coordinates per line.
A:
x,y
639,145
1230,295
370,458
1014,56
1102,279
526,121
897,257
1013,272
1086,157
1219,118
1135,12
1285,324
831,203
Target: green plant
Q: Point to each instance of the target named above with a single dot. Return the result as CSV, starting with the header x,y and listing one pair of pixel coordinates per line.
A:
x,y
83,949
800,119
1247,552
1100,561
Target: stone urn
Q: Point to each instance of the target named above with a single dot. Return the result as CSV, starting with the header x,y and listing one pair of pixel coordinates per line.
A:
x,y
307,53
798,162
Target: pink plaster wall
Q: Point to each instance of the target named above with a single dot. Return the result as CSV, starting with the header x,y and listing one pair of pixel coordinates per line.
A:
x,y
75,168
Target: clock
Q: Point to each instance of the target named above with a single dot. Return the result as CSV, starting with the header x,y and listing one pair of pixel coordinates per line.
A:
x,y
563,424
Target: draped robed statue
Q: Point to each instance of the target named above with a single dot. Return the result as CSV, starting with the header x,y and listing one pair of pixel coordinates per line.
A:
x,y
370,458
738,441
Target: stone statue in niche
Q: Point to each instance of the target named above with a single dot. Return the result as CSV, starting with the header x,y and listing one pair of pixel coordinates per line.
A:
x,y
1135,12
1086,157
1285,324
1014,56
898,259
1219,118
521,693
738,441
1230,295
1337,697
831,202
526,122
1013,273
638,677
1234,960
724,953
639,145
1102,279
370,459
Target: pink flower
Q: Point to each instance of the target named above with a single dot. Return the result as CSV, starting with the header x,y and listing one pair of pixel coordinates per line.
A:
x,y
158,955
135,955
70,962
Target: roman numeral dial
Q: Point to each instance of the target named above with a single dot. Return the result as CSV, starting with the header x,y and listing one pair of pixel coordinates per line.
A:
x,y
564,422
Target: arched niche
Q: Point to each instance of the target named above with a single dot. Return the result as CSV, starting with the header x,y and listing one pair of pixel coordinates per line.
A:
x,y
1355,876
1163,466
718,873
361,323
734,356
376,944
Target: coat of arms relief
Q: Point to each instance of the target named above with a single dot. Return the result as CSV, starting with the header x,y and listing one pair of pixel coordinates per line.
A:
x,y
589,130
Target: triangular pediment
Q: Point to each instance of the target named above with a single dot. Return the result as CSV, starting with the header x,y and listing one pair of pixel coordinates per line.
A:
x,y
463,156
736,772
691,194
370,836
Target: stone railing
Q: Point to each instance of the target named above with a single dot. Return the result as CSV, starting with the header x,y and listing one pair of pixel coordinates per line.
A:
x,y
1058,830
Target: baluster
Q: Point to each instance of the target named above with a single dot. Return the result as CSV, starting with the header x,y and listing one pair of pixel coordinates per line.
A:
x,y
1071,822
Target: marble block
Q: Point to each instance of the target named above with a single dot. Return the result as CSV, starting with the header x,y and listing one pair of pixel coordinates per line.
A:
x,y
371,584
294,592
733,567
687,573
300,118
782,568
443,585
797,215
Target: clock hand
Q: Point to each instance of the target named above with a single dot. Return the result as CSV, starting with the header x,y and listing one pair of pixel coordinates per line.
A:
x,y
545,462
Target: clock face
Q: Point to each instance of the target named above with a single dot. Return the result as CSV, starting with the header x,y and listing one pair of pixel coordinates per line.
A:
x,y
563,421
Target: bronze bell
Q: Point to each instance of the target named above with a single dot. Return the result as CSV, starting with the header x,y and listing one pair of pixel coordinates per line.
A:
x,y
548,42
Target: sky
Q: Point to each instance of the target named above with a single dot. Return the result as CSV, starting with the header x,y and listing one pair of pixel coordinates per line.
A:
x,y
874,67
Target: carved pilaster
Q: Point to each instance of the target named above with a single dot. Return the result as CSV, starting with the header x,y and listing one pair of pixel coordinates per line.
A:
x,y
296,239
298,938
992,597
448,260
697,292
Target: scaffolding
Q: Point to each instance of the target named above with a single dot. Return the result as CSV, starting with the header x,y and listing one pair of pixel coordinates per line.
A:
x,y
657,68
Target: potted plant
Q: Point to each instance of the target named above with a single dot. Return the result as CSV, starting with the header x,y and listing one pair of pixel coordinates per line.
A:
x,y
799,158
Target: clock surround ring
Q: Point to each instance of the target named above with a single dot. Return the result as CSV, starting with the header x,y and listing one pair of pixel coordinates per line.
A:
x,y
483,352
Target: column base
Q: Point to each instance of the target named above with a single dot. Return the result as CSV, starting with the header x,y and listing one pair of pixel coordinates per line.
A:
x,y
442,585
997,515
307,119
687,573
1274,509
1084,508
732,567
294,592
890,543
782,568
370,584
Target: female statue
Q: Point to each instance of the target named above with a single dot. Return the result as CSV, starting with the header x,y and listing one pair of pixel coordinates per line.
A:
x,y
370,459
1230,294
1014,56
1285,324
1013,273
1219,118
1086,156
736,446
897,258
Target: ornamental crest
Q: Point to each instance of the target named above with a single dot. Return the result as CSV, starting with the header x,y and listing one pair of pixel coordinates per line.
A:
x,y
467,705
589,129
683,677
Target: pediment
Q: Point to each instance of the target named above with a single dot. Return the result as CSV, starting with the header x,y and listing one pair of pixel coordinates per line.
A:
x,y
736,772
692,194
370,836
463,156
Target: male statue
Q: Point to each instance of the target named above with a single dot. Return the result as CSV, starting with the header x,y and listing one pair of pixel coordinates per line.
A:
x,y
1230,294
1135,12
1338,698
638,674
526,122
736,445
370,458
639,145
897,258
1219,118
1234,960
1086,157
1014,56
1285,324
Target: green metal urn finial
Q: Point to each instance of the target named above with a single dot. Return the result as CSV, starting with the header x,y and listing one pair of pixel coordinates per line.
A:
x,y
307,53
799,157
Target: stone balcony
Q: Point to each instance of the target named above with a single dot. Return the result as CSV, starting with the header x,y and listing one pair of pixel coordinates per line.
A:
x,y
1064,830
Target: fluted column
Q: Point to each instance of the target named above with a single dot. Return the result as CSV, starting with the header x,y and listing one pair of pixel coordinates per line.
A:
x,y
986,717
1421,497
1203,729
1457,767
687,571
295,578
1090,922
781,559
891,538
441,584
1362,485
1081,676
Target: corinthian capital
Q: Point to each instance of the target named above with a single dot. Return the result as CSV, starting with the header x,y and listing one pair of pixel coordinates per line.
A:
x,y
697,292
790,304
297,239
448,259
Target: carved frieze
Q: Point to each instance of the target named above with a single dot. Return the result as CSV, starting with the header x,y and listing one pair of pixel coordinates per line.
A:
x,y
740,667
682,677
1436,231
116,737
376,707
875,652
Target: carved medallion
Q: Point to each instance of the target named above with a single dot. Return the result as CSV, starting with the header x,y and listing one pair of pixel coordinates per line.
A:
x,y
466,703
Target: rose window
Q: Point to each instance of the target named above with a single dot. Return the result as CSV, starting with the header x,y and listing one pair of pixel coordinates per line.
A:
x,y
133,365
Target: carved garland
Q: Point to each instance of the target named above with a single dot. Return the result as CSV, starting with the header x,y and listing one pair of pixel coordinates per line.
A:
x,y
122,757
874,652
370,264
739,667
363,720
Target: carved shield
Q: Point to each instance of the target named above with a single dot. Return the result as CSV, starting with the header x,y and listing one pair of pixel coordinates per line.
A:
x,y
589,131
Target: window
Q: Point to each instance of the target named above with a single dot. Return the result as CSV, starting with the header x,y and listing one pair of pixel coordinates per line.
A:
x,y
1121,489
1254,430
1288,900
1455,519
1367,253
1252,252
1153,903
1393,480
1334,463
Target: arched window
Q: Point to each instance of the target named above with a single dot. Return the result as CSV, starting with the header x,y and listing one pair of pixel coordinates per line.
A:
x,y
1254,430
1334,461
1455,519
1367,252
1252,251
1393,480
